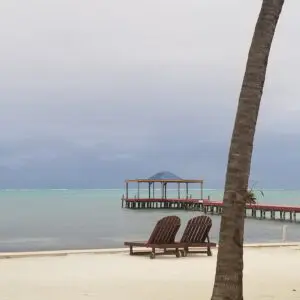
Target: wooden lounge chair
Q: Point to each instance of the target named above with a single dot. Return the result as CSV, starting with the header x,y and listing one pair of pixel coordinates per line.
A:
x,y
196,235
162,237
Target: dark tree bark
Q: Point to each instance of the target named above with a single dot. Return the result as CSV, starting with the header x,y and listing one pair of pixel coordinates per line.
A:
x,y
229,272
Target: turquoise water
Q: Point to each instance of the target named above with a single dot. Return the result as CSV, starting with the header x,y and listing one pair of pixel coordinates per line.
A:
x,y
77,219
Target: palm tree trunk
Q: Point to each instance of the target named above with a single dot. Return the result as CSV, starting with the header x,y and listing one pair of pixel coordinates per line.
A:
x,y
229,272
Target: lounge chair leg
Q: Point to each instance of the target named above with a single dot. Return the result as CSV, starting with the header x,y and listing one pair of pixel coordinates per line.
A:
x,y
177,253
184,252
209,253
130,250
152,254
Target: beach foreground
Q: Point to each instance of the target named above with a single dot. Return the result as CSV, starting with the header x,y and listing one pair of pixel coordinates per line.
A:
x,y
270,273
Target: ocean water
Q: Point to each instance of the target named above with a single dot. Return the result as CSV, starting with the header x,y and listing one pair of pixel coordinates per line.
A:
x,y
32,220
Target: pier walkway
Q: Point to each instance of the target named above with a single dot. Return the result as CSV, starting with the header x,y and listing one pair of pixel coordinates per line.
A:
x,y
186,201
258,211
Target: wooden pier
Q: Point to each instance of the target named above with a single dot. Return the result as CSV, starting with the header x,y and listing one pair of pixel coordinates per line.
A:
x,y
257,211
163,179
198,203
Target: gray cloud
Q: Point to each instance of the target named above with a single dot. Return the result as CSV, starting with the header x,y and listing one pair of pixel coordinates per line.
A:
x,y
96,91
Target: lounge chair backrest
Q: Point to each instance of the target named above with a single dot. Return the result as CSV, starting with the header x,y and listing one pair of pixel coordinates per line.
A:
x,y
165,230
197,230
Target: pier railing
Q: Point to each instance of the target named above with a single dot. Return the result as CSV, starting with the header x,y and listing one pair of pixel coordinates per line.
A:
x,y
256,211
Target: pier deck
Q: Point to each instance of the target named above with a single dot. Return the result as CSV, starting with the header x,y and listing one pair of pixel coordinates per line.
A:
x,y
186,201
258,211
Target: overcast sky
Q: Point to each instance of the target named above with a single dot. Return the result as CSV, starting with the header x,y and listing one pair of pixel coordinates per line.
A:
x,y
93,92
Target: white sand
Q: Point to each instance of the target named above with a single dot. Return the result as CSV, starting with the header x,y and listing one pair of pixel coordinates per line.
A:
x,y
270,273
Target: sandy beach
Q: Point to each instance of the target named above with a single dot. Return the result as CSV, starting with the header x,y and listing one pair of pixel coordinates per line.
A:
x,y
270,273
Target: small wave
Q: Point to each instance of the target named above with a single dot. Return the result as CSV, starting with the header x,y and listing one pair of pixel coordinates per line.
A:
x,y
27,240
19,190
101,189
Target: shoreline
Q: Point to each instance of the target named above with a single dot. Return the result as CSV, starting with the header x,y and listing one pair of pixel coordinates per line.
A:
x,y
10,255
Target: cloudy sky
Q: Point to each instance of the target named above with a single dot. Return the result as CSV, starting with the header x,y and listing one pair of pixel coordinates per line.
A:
x,y
93,92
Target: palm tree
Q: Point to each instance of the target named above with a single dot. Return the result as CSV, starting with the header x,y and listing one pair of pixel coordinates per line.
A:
x,y
229,271
251,196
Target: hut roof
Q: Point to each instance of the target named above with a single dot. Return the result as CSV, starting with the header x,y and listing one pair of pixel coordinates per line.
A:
x,y
165,176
